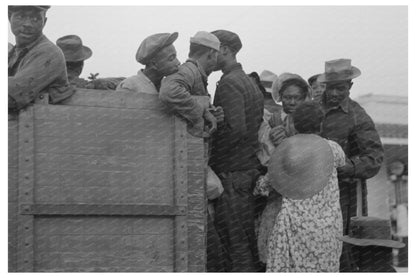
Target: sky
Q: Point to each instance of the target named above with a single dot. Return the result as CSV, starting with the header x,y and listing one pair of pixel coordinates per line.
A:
x,y
297,39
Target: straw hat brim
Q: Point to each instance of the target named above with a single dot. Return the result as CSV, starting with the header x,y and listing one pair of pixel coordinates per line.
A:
x,y
369,242
301,166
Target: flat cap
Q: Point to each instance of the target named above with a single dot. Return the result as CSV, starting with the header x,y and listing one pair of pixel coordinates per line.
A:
x,y
153,44
206,39
16,8
230,39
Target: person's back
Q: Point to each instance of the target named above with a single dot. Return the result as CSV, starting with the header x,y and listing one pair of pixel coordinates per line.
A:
x,y
235,146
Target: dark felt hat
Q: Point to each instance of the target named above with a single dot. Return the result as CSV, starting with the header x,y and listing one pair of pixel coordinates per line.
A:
x,y
228,38
338,70
73,49
367,231
19,7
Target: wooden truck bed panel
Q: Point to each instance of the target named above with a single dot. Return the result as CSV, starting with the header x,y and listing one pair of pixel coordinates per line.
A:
x,y
106,182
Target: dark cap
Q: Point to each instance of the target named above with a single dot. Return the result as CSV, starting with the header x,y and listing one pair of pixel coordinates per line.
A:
x,y
313,78
153,44
40,8
228,38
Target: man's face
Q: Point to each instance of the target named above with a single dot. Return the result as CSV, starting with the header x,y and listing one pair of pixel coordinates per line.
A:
x,y
291,97
212,61
74,69
220,59
336,92
27,25
166,61
317,90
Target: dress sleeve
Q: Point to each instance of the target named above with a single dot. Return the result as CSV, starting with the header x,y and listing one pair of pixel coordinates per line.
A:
x,y
339,155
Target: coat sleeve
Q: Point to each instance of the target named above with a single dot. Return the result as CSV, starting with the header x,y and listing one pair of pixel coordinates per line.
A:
x,y
175,94
40,70
369,148
231,100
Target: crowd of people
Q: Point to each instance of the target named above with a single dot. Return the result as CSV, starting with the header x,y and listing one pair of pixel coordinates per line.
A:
x,y
291,156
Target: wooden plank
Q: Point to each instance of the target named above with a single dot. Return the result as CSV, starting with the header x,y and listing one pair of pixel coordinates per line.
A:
x,y
12,191
103,242
181,185
26,183
107,98
196,222
109,210
49,226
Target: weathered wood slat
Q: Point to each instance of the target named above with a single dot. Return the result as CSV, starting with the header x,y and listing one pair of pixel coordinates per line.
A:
x,y
26,180
13,191
106,98
181,185
105,209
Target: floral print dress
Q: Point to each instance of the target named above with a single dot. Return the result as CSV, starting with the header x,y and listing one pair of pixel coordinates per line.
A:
x,y
305,233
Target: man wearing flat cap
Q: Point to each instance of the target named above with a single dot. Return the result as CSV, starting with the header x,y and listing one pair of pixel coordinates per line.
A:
x,y
347,123
233,156
158,55
35,65
191,80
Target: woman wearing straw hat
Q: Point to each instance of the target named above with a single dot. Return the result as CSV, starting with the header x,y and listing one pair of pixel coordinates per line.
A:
x,y
290,89
306,232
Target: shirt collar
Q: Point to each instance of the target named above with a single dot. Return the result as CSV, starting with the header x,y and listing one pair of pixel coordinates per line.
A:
x,y
31,45
200,69
344,105
232,67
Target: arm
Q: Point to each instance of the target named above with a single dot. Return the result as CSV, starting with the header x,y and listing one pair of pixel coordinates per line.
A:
x,y
39,70
366,148
175,93
368,162
232,101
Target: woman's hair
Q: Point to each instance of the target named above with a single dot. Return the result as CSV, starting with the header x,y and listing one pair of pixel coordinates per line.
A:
x,y
295,82
308,117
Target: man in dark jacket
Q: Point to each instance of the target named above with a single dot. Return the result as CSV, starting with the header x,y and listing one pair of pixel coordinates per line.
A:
x,y
35,65
347,123
233,155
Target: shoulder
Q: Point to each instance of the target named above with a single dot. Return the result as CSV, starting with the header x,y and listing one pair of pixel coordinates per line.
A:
x,y
358,112
339,155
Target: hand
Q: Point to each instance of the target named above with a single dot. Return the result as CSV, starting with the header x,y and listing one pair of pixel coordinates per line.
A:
x,y
346,171
212,121
218,113
277,135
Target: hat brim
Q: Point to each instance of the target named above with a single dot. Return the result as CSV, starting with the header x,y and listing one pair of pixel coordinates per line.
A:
x,y
326,78
369,242
82,55
302,184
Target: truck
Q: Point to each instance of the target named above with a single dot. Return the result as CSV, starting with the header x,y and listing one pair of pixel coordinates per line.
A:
x,y
105,182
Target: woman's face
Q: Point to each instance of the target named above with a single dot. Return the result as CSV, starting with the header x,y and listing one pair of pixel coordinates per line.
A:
x,y
292,96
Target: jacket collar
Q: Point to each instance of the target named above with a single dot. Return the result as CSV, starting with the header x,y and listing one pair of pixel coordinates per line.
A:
x,y
232,67
343,105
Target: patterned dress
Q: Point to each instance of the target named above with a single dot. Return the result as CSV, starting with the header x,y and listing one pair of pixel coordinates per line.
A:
x,y
305,234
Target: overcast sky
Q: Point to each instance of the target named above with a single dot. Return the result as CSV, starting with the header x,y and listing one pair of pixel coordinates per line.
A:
x,y
296,39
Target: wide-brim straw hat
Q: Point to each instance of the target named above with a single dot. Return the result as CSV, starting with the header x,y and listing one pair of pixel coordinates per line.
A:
x,y
73,49
301,166
338,70
368,231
